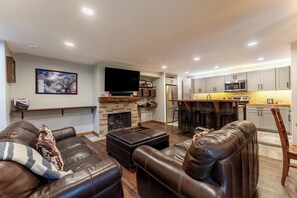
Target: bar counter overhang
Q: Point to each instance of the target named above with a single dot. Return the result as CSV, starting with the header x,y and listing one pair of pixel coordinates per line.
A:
x,y
206,113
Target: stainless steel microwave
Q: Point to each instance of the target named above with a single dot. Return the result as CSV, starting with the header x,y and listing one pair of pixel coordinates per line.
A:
x,y
240,85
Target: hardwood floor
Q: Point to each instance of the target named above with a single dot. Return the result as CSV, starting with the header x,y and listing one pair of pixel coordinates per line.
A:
x,y
269,185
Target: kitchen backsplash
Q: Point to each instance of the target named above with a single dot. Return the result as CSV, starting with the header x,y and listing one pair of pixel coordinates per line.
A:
x,y
256,97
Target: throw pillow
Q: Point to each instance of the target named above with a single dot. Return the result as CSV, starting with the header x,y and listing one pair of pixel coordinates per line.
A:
x,y
31,159
201,134
46,146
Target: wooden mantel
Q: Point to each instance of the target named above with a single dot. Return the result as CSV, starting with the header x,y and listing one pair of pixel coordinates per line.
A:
x,y
118,99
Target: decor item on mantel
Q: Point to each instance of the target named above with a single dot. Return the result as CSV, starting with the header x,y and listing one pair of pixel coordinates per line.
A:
x,y
55,82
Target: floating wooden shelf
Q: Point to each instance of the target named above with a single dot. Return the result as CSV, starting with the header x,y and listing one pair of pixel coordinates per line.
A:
x,y
118,99
54,109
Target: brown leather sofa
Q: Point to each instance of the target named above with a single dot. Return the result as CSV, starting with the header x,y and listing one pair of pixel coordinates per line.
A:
x,y
224,163
91,177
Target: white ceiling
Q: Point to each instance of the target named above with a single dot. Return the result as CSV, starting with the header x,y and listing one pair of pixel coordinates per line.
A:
x,y
147,34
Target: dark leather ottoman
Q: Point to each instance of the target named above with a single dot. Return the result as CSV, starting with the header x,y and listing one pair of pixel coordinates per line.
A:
x,y
120,144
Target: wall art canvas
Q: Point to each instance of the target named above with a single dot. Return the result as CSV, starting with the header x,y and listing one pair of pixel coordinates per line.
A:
x,y
55,82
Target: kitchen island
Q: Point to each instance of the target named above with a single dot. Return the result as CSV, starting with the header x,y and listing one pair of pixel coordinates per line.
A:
x,y
206,113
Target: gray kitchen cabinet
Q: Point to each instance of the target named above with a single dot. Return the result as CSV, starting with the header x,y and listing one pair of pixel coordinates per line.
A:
x,y
262,117
282,78
215,84
235,77
200,85
187,88
261,80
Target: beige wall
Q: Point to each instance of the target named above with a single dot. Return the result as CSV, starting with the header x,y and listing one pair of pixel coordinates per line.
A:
x,y
81,119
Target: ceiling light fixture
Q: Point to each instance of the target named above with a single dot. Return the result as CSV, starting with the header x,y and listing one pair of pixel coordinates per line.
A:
x,y
260,59
196,58
88,11
216,67
251,44
69,44
33,46
164,67
186,72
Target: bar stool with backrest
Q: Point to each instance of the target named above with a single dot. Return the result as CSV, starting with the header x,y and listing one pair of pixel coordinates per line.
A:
x,y
289,152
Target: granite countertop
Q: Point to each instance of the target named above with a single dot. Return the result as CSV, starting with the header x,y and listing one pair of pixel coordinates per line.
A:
x,y
269,105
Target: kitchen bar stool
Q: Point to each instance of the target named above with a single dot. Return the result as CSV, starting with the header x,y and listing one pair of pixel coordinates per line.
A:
x,y
174,119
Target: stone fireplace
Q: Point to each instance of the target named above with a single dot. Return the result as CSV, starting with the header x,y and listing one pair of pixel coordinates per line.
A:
x,y
109,106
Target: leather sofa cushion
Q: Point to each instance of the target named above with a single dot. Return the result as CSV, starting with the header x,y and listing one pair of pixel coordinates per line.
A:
x,y
75,154
184,145
217,145
20,132
83,164
16,180
175,153
69,143
245,126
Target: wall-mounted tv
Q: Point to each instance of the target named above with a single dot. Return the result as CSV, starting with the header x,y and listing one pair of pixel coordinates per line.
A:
x,y
120,80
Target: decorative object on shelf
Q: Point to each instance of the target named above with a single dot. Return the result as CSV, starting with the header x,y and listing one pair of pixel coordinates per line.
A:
x,y
152,104
152,93
269,100
149,84
10,69
55,82
142,83
20,103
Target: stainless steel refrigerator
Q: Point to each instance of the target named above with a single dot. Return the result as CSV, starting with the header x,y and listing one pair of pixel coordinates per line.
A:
x,y
171,94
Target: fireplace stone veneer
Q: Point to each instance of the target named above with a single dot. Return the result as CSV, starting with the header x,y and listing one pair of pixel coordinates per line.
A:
x,y
113,105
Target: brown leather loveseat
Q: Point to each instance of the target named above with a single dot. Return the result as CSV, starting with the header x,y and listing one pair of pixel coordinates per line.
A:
x,y
91,177
224,163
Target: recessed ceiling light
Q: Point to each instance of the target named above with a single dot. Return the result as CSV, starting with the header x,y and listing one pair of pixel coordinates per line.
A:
x,y
69,44
196,58
33,46
164,67
253,43
260,59
88,11
216,67
186,72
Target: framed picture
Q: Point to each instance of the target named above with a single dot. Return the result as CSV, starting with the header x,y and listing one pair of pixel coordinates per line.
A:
x,y
149,83
55,82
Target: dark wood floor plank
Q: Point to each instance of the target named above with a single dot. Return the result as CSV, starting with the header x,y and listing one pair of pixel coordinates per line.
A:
x,y
269,185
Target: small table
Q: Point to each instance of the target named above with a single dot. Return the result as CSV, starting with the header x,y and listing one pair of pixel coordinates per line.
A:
x,y
120,144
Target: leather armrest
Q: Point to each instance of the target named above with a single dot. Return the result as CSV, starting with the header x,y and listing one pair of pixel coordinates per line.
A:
x,y
87,182
64,133
170,173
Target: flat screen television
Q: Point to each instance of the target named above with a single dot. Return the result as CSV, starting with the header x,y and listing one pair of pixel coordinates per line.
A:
x,y
121,80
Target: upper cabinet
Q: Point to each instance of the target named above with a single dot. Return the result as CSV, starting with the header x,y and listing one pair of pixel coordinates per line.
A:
x,y
282,78
234,77
200,85
262,80
215,84
187,88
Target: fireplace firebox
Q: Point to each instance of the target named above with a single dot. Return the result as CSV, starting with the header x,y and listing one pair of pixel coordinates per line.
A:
x,y
119,121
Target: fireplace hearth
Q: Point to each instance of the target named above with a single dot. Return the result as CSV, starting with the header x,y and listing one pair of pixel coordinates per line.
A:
x,y
119,121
